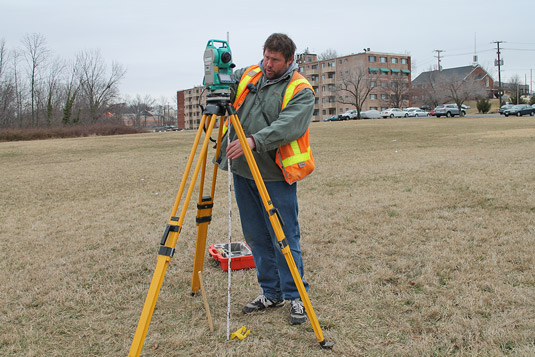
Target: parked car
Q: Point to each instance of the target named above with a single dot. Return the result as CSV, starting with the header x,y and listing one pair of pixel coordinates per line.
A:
x,y
333,118
519,110
370,114
447,110
350,114
504,107
394,112
417,112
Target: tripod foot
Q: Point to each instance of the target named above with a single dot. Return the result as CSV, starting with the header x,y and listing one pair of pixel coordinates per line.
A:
x,y
327,345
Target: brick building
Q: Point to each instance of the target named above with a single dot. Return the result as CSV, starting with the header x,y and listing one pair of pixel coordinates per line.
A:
x,y
428,82
388,70
325,76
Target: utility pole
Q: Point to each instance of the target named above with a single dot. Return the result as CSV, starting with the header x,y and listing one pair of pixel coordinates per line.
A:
x,y
499,63
438,57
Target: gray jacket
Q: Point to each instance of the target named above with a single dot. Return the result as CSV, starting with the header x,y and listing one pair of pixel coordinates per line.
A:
x,y
261,117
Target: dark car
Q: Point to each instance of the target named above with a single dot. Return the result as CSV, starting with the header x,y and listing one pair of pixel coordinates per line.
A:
x,y
519,110
333,118
504,107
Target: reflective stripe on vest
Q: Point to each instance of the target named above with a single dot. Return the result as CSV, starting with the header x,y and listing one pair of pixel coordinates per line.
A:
x,y
249,76
300,153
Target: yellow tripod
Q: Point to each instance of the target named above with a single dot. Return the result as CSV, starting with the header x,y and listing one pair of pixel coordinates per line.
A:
x,y
219,107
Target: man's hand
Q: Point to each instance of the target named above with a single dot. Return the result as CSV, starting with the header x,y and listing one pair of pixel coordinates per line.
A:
x,y
234,149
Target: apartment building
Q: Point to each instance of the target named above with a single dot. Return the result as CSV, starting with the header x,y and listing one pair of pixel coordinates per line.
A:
x,y
189,112
388,76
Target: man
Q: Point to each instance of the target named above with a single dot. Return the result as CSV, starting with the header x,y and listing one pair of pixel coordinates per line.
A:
x,y
267,127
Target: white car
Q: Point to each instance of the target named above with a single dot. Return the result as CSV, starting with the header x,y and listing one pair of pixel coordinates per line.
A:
x,y
394,112
350,114
370,114
417,112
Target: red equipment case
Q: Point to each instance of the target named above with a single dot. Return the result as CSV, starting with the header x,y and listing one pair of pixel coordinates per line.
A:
x,y
241,258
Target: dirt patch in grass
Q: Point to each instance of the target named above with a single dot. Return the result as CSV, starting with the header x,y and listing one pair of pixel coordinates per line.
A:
x,y
417,237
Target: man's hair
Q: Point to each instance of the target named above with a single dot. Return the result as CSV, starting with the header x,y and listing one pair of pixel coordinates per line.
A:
x,y
281,43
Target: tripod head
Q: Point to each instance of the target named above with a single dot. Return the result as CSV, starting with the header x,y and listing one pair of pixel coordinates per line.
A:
x,y
218,71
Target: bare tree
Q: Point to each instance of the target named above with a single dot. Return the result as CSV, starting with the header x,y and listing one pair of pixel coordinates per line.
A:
x,y
19,89
139,107
355,86
35,53
513,87
72,86
53,81
397,91
7,91
434,93
99,89
327,55
459,90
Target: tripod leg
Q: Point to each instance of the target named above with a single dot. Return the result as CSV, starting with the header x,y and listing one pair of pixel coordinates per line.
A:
x,y
204,217
169,239
274,218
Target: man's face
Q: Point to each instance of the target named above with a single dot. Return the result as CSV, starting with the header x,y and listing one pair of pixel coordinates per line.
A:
x,y
274,64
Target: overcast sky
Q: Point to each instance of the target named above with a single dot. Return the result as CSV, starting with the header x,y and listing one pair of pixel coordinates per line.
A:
x,y
161,43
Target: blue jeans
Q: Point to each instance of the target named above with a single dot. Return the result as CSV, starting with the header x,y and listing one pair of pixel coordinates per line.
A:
x,y
272,270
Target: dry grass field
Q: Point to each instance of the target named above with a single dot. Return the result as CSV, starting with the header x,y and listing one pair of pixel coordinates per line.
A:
x,y
418,239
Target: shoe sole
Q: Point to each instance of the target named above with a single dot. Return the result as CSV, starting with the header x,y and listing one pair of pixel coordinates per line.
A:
x,y
247,310
297,320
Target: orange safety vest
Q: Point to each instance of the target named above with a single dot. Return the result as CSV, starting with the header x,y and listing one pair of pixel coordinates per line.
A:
x,y
295,158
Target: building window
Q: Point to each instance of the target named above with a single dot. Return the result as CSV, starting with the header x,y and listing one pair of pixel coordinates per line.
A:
x,y
373,96
323,88
323,65
371,108
383,59
405,85
384,96
314,66
404,61
394,60
487,82
373,84
339,61
372,59
384,84
331,75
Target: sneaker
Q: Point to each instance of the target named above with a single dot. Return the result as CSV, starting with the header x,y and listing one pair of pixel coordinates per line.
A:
x,y
261,303
297,312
